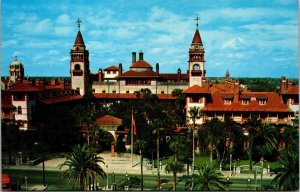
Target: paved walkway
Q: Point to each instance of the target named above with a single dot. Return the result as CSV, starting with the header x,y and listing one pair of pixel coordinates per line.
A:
x,y
123,164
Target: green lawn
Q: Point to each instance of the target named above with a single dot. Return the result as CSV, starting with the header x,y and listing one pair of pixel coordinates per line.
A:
x,y
35,177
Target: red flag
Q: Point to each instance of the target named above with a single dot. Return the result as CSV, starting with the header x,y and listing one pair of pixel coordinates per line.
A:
x,y
133,125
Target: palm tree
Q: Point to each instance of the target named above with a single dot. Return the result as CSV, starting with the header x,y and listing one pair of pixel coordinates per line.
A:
x,y
82,165
252,126
212,135
141,145
194,114
288,176
290,136
207,179
174,166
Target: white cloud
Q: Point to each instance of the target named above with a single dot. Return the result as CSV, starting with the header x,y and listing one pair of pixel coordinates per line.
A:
x,y
243,14
235,43
66,58
64,19
9,43
63,31
53,52
33,28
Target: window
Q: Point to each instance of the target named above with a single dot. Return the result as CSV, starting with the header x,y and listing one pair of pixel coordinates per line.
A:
x,y
227,101
245,102
103,90
93,90
114,72
114,91
262,102
77,67
19,110
196,67
127,91
108,72
162,91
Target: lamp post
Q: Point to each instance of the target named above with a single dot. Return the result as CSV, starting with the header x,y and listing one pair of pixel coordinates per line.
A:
x,y
126,182
114,181
107,176
26,189
43,160
249,183
230,164
157,163
246,133
227,183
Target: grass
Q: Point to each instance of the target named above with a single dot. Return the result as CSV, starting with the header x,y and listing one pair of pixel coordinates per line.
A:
x,y
35,177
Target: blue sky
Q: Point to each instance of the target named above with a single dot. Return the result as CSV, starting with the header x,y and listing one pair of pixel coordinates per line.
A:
x,y
250,38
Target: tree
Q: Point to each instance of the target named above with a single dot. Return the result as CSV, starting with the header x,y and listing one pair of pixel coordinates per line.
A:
x,y
290,136
194,114
212,135
120,145
207,179
287,177
174,165
141,146
82,164
252,126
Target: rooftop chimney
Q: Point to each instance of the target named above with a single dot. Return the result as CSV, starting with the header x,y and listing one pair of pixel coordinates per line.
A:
x,y
157,68
120,68
133,57
141,56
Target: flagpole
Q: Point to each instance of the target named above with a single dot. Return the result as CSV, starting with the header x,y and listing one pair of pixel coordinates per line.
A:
x,y
131,138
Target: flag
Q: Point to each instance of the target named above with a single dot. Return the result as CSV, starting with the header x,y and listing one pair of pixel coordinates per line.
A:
x,y
133,125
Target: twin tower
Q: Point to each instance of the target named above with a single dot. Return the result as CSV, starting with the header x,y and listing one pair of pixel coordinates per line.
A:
x,y
80,65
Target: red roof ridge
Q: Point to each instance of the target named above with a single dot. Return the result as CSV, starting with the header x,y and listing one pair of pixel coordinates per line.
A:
x,y
197,38
79,39
141,64
197,89
111,68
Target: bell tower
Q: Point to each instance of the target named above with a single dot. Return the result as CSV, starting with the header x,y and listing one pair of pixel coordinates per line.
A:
x,y
196,60
79,64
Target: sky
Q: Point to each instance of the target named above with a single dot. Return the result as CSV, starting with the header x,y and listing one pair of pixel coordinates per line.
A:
x,y
250,38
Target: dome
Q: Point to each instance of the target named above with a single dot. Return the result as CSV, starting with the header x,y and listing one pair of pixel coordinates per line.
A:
x,y
141,64
16,62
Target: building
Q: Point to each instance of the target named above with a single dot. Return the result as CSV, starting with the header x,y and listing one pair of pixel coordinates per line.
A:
x,y
223,100
112,84
16,71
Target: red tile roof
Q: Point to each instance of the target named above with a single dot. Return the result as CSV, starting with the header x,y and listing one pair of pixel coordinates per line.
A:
x,y
24,88
274,104
57,95
197,38
197,89
111,68
128,96
131,73
141,64
6,102
294,90
108,120
227,95
59,99
174,76
79,39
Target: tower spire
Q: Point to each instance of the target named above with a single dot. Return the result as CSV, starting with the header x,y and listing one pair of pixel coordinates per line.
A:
x,y
197,19
78,23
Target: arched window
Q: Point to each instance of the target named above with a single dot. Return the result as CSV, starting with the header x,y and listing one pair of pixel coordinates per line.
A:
x,y
77,67
196,67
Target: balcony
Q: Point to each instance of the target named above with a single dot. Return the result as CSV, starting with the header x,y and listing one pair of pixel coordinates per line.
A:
x,y
77,72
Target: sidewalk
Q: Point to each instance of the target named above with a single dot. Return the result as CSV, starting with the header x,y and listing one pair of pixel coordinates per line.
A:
x,y
123,165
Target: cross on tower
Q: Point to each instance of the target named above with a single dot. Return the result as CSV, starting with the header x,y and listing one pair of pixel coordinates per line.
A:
x,y
78,22
16,58
197,19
